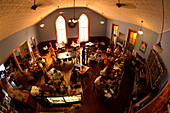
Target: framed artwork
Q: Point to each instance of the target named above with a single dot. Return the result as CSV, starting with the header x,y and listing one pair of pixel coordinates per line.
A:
x,y
121,37
143,47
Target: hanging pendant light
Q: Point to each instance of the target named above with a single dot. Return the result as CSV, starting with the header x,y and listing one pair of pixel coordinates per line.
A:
x,y
140,31
102,21
73,21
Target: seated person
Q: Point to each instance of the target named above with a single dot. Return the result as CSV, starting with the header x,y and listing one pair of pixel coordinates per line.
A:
x,y
109,51
47,77
92,58
99,83
96,45
98,51
73,44
37,56
116,51
103,72
51,50
74,75
42,61
57,76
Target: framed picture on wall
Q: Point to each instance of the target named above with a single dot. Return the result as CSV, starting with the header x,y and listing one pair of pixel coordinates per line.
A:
x,y
121,37
143,47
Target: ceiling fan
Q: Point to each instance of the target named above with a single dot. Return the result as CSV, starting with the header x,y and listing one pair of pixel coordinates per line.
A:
x,y
118,4
34,7
125,5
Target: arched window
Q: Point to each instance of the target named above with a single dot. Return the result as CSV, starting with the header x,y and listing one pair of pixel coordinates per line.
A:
x,y
83,28
60,24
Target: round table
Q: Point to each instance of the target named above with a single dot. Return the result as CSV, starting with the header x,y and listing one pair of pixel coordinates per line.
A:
x,y
66,55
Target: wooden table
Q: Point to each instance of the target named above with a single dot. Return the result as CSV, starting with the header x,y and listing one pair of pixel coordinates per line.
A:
x,y
66,55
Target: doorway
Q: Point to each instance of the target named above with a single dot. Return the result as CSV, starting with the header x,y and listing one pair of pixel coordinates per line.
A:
x,y
130,44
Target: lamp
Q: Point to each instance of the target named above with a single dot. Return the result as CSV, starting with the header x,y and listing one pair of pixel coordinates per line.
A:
x,y
157,47
72,22
140,31
42,25
102,21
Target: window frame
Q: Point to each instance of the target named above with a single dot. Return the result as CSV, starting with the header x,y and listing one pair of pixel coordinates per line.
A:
x,y
88,27
65,29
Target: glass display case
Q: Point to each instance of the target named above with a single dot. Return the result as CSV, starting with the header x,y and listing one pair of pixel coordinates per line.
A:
x,y
56,100
65,99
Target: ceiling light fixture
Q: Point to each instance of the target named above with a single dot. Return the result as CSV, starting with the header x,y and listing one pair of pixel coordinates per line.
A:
x,y
102,21
140,31
42,25
73,21
157,47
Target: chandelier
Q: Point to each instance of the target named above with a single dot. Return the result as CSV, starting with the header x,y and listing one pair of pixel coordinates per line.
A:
x,y
73,21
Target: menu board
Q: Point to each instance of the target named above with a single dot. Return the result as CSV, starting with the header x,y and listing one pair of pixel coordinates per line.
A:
x,y
156,71
155,68
56,100
73,98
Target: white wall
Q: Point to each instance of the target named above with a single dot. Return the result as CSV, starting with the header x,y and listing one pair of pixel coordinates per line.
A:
x,y
48,31
11,42
150,37
165,55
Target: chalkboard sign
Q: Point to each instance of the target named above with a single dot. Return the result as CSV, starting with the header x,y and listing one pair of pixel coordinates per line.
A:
x,y
156,71
151,58
155,68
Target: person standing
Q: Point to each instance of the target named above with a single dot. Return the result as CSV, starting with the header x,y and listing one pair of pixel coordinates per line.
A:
x,y
83,56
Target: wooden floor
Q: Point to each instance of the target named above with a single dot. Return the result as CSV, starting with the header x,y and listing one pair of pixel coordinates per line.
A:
x,y
92,103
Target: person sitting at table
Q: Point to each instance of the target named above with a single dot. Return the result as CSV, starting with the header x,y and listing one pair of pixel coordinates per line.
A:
x,y
92,59
47,78
51,50
98,51
42,61
58,78
73,44
116,51
96,45
74,75
54,61
109,51
78,41
37,56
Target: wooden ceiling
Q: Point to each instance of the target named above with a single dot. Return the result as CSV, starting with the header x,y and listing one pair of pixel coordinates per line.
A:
x,y
16,15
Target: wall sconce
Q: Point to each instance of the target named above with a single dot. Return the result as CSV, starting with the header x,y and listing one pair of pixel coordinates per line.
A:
x,y
42,25
140,31
101,22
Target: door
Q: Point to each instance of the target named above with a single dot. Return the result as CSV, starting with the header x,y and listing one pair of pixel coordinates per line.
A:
x,y
131,40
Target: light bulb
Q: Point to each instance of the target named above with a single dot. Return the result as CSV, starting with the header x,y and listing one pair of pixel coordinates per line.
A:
x,y
101,22
42,25
140,32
